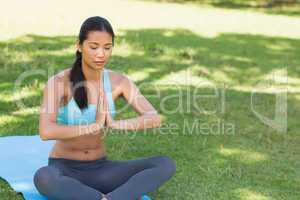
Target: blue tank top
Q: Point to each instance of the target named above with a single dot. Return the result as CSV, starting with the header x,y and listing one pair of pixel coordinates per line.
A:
x,y
71,114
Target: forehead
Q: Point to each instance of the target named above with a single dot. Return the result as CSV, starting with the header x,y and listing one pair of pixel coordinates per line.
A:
x,y
100,37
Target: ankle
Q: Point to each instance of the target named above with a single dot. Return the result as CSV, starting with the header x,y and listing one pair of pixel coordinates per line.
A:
x,y
104,197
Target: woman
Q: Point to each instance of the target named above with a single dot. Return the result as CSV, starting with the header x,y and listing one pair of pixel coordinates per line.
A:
x,y
76,109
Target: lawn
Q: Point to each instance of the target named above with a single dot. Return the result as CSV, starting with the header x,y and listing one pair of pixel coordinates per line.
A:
x,y
279,7
210,92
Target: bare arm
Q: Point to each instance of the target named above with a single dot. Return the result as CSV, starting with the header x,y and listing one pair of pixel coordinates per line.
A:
x,y
148,118
48,128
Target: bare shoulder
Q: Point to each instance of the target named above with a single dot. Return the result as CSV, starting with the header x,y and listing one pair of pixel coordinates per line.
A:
x,y
60,81
63,76
120,83
118,79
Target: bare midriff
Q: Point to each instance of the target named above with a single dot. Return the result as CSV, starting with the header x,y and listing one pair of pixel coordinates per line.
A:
x,y
87,147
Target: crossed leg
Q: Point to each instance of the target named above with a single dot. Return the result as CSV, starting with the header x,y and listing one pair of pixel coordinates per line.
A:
x,y
119,180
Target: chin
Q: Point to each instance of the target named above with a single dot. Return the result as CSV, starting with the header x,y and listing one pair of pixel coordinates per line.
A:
x,y
98,67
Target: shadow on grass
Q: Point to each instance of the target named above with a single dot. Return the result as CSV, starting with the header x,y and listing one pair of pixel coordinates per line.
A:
x,y
243,59
252,160
233,59
289,8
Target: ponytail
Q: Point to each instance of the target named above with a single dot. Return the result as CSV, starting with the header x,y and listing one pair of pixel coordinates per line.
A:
x,y
78,82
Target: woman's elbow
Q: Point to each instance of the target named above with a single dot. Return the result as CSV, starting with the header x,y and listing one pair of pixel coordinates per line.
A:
x,y
156,121
44,137
43,134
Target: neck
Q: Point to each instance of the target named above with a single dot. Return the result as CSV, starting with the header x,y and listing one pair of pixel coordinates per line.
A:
x,y
91,74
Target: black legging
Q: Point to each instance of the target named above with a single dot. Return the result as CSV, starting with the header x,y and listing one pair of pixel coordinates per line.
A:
x,y
66,179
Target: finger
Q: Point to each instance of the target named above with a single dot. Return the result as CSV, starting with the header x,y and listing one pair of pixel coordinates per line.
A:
x,y
100,112
100,105
101,93
105,106
106,109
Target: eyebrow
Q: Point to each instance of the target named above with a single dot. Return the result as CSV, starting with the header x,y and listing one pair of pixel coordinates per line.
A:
x,y
98,43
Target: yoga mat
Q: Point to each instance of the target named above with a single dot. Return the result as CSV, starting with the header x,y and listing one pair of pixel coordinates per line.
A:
x,y
20,158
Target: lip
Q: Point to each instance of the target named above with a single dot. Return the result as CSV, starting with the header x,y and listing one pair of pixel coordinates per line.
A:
x,y
99,62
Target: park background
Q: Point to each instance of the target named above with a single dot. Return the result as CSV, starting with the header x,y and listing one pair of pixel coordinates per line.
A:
x,y
241,58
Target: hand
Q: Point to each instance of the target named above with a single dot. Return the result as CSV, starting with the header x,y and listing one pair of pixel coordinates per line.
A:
x,y
101,111
108,119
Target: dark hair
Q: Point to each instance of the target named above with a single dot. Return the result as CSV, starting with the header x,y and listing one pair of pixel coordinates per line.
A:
x,y
76,75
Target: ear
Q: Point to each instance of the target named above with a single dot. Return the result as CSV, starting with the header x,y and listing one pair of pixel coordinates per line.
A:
x,y
78,46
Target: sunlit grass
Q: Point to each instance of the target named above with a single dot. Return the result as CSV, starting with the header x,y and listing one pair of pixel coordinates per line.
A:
x,y
26,111
6,119
251,195
51,18
244,156
173,68
288,8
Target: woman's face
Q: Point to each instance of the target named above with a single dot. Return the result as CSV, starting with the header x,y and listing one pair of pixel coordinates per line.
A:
x,y
96,49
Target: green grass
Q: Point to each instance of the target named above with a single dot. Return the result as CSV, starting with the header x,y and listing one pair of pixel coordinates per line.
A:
x,y
247,160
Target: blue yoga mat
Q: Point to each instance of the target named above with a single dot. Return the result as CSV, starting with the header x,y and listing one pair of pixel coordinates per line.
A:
x,y
20,158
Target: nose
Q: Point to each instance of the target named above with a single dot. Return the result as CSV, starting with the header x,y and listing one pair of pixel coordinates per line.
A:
x,y
100,53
